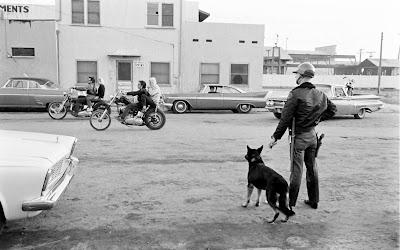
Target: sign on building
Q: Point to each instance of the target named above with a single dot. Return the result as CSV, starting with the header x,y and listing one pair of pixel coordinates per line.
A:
x,y
29,10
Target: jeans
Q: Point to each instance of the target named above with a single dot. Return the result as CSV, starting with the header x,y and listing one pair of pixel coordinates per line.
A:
x,y
305,145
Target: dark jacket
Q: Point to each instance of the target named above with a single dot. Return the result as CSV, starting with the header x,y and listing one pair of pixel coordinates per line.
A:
x,y
139,93
100,91
308,105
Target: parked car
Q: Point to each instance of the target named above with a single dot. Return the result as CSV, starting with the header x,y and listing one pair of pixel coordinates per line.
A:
x,y
29,92
35,169
356,105
216,97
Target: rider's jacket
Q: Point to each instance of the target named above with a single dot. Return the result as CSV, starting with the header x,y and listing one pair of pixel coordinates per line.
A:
x,y
308,106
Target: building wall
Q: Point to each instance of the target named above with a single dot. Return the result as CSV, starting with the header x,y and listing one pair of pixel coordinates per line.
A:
x,y
39,35
224,49
123,29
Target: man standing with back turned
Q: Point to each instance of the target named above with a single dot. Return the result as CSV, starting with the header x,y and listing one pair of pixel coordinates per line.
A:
x,y
304,109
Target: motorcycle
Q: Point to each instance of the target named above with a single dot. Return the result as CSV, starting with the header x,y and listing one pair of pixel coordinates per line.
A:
x,y
58,110
153,118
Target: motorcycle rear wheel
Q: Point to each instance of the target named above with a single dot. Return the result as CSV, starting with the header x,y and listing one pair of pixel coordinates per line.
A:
x,y
154,120
56,111
100,124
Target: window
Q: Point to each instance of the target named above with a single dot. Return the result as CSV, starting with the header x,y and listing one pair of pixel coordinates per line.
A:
x,y
19,84
124,71
86,69
161,72
167,15
339,92
229,90
239,74
209,73
78,14
157,11
93,12
88,13
152,13
23,51
34,85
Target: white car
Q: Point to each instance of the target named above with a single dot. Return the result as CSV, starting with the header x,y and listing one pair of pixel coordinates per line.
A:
x,y
35,169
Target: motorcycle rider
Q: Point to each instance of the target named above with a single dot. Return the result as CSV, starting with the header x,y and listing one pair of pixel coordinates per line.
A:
x,y
144,99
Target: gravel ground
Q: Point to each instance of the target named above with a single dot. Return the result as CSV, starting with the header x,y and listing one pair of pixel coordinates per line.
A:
x,y
181,187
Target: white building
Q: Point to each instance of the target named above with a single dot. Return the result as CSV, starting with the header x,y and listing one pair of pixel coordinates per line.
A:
x,y
124,41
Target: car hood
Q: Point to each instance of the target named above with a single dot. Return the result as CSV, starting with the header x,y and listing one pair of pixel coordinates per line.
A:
x,y
21,146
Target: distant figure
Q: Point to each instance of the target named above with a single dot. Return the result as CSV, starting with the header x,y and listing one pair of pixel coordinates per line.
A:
x,y
349,86
154,90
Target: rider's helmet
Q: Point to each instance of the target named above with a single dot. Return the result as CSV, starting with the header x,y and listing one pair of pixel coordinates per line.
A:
x,y
306,70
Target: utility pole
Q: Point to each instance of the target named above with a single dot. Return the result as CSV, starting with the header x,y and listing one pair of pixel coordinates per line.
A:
x,y
360,55
380,65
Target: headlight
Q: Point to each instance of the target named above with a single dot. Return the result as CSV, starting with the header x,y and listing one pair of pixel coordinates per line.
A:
x,y
270,103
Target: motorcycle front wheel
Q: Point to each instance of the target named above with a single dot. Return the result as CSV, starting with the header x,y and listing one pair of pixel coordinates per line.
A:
x,y
100,119
154,119
56,110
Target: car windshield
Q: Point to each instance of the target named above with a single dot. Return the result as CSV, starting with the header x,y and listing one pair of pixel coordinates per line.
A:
x,y
50,85
326,90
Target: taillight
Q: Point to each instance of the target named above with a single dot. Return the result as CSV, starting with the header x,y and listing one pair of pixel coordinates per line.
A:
x,y
46,180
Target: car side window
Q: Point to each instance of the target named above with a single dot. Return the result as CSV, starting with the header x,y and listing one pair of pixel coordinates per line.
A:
x,y
34,85
229,90
20,84
9,84
339,92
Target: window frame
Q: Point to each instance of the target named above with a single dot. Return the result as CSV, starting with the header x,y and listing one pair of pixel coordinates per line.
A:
x,y
169,72
160,15
26,56
86,14
77,72
248,74
219,73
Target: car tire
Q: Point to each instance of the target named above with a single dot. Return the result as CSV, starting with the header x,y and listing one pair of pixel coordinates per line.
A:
x,y
244,108
235,111
360,114
277,115
180,107
2,219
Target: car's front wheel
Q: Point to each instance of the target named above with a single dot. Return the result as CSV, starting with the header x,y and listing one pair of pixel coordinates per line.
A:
x,y
360,114
56,110
180,107
244,108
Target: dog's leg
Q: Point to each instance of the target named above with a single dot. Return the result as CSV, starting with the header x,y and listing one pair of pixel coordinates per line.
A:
x,y
271,198
250,188
258,197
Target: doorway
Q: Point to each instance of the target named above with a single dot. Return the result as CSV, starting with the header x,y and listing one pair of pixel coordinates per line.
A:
x,y
124,76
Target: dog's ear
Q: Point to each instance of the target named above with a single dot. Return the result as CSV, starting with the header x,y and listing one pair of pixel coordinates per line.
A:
x,y
260,149
248,148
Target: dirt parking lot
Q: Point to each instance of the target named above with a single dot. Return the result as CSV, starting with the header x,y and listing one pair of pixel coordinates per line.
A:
x,y
181,187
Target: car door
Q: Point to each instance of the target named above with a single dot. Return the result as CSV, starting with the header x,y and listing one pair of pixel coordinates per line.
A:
x,y
36,94
14,94
232,97
212,98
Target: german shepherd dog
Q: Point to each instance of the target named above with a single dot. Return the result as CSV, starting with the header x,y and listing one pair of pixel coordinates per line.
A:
x,y
265,178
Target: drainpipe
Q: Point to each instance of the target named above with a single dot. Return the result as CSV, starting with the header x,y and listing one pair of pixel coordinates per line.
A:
x,y
58,54
180,47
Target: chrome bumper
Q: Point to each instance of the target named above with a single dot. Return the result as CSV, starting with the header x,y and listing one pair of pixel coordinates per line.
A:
x,y
49,199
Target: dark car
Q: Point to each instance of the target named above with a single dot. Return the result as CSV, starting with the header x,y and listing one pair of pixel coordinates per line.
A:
x,y
28,92
216,97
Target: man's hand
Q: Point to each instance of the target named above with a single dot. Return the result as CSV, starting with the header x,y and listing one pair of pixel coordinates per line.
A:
x,y
272,142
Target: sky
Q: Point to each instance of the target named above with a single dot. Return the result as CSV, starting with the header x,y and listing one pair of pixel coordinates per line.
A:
x,y
306,24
